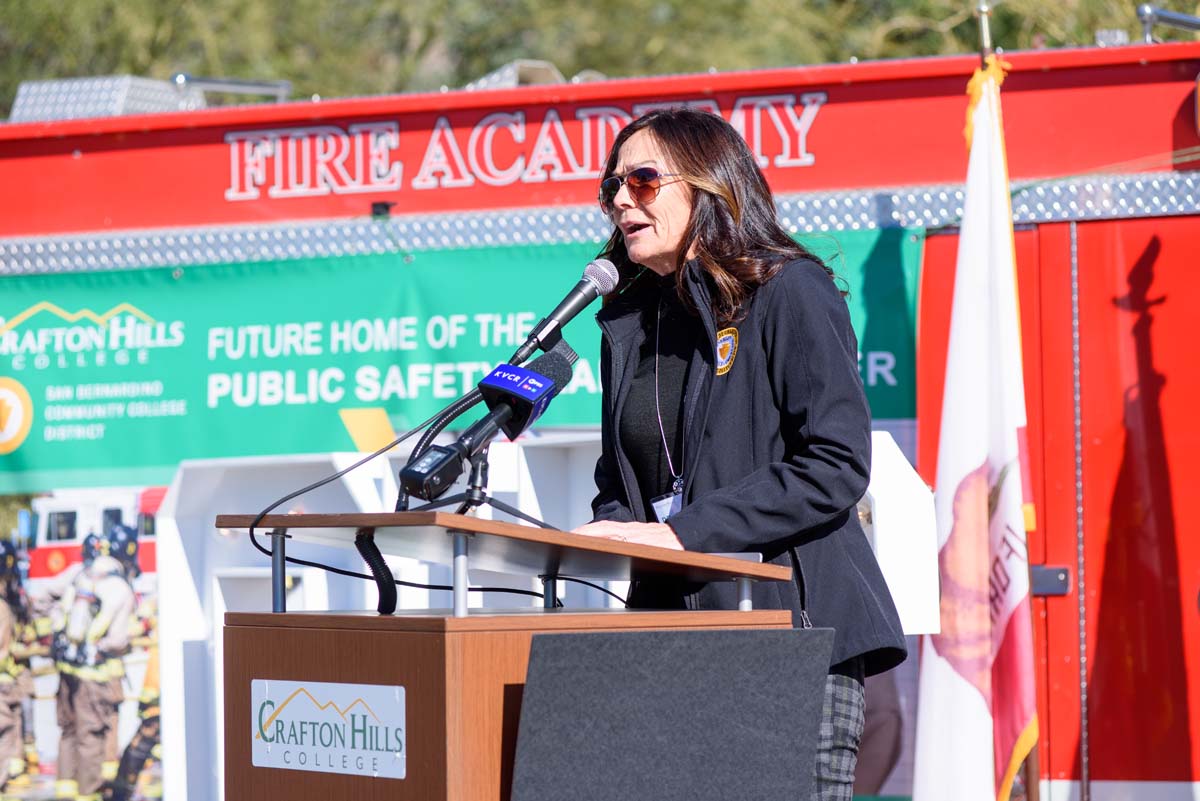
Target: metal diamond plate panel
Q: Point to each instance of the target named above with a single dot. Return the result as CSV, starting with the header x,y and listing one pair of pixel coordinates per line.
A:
x,y
1093,198
104,96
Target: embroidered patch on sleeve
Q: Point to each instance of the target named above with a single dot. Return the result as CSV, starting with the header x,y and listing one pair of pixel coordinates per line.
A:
x,y
727,345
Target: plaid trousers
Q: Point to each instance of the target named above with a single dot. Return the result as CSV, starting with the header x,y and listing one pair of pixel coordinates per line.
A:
x,y
837,739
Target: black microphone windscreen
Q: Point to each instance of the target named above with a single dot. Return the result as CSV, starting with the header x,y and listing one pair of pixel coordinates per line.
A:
x,y
566,351
554,365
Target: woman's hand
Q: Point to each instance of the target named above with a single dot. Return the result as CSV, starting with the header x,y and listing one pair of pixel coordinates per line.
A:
x,y
657,534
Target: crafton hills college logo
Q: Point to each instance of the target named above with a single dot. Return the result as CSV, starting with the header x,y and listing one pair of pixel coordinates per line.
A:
x,y
329,728
16,414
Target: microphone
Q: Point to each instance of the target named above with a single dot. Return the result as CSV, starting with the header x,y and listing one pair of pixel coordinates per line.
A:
x,y
516,397
599,278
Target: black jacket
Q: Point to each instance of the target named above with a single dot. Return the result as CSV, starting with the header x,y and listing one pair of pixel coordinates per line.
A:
x,y
778,456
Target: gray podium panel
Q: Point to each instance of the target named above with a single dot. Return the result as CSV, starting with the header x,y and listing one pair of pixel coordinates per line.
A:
x,y
673,716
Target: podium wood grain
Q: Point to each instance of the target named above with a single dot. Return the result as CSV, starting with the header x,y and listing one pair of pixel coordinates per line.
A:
x,y
463,679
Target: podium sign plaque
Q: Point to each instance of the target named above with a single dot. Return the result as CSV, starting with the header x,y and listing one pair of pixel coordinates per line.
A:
x,y
328,728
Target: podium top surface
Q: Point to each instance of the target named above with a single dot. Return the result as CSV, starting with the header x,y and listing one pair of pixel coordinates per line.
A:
x,y
508,547
535,619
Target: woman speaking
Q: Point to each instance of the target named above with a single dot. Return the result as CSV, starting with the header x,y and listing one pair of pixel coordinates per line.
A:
x,y
734,417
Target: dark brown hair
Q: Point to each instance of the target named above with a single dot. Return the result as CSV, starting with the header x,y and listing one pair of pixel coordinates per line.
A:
x,y
734,228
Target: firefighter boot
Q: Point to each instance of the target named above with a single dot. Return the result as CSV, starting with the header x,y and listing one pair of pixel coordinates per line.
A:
x,y
66,790
15,770
152,774
32,760
132,761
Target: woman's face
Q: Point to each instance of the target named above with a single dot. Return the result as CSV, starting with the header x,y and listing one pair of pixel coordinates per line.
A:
x,y
653,231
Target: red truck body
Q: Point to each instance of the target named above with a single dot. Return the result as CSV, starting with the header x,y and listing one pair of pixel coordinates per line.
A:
x,y
1104,154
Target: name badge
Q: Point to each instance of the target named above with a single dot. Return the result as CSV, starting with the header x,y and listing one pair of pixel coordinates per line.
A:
x,y
667,505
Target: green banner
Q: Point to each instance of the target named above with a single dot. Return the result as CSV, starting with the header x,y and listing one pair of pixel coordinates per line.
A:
x,y
114,377
880,271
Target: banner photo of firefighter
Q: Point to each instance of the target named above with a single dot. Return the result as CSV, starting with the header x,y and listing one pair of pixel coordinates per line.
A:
x,y
79,698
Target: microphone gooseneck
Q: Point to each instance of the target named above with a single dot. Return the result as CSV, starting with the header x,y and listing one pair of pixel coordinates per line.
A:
x,y
599,278
516,397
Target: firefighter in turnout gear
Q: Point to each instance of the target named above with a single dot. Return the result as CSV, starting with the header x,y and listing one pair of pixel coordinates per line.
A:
x,y
56,595
123,546
87,651
27,634
12,762
145,741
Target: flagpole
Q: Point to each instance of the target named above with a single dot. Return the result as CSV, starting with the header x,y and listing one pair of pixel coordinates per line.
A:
x,y
983,10
977,716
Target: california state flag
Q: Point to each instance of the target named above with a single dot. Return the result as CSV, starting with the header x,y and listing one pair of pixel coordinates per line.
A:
x,y
977,715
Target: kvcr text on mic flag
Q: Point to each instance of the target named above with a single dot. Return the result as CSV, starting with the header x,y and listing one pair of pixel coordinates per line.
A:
x,y
977,717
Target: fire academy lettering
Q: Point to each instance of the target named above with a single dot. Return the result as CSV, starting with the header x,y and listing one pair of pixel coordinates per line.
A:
x,y
313,161
500,149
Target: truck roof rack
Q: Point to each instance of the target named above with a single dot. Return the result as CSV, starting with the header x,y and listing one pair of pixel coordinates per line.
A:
x,y
527,72
280,90
1151,15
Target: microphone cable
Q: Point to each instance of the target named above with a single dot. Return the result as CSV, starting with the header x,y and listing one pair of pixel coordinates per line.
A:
x,y
353,574
604,590
434,426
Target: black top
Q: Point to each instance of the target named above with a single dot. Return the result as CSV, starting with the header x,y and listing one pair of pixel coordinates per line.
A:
x,y
641,439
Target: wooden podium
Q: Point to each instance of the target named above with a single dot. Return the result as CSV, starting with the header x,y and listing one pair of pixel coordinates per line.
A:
x,y
462,671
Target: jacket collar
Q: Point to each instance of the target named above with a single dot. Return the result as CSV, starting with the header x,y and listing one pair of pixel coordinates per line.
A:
x,y
623,315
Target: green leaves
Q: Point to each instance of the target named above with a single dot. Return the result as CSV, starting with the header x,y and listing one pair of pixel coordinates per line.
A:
x,y
362,47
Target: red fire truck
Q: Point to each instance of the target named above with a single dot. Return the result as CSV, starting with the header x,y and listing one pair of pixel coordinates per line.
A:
x,y
1104,154
63,518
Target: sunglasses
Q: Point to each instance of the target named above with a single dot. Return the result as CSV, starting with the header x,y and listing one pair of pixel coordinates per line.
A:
x,y
643,184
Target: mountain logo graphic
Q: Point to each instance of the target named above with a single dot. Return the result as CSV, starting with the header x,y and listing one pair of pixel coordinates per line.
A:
x,y
73,317
321,707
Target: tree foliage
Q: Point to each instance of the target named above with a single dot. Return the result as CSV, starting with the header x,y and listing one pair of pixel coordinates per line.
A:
x,y
359,47
9,506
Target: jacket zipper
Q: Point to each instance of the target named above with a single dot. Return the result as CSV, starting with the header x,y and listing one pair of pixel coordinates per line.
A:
x,y
706,324
618,358
801,587
695,454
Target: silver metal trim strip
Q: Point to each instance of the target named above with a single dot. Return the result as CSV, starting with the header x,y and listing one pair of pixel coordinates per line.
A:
x,y
933,207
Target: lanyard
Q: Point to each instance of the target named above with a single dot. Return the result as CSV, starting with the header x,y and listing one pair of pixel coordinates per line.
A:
x,y
676,478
